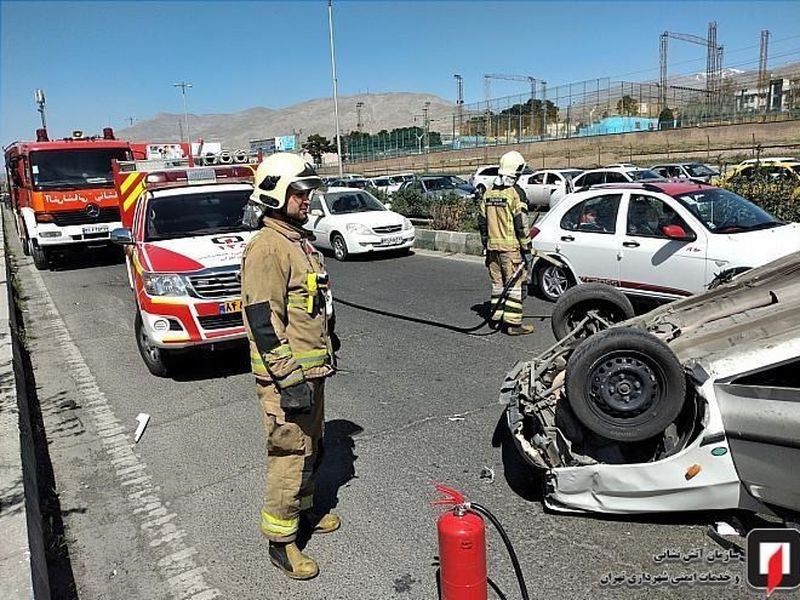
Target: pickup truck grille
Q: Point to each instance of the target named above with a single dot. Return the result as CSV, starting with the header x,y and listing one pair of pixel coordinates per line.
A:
x,y
387,229
221,321
216,285
81,217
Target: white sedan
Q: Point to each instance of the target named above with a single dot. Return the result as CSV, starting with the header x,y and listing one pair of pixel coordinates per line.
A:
x,y
352,221
547,187
664,240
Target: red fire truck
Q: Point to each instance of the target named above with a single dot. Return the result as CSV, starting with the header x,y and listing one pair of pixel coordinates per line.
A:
x,y
62,191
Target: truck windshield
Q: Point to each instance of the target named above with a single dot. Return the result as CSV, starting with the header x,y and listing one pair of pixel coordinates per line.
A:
x,y
193,214
73,168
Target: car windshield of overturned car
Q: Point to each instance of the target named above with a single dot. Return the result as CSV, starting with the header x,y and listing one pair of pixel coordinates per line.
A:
x,y
349,202
722,211
190,215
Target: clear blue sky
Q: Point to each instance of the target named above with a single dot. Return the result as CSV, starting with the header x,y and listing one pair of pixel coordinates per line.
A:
x,y
101,62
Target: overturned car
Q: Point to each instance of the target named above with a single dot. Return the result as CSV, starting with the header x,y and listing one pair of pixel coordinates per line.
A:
x,y
693,406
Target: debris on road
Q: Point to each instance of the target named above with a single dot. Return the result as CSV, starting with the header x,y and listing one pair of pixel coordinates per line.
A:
x,y
143,419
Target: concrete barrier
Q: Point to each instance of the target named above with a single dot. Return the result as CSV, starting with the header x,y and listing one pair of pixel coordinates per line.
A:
x,y
454,242
23,566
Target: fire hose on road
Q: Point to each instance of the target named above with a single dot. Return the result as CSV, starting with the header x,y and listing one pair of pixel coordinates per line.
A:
x,y
465,330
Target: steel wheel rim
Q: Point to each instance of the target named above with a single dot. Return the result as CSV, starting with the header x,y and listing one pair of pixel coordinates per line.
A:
x,y
555,281
624,385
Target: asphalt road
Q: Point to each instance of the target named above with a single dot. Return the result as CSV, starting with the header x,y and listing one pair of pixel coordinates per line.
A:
x,y
413,405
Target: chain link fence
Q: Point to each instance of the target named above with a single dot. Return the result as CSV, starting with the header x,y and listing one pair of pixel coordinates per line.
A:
x,y
589,108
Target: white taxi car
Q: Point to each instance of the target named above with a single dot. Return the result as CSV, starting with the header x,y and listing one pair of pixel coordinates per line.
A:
x,y
664,240
352,221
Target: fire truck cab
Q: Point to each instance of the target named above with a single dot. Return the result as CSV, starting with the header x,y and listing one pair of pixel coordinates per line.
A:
x,y
62,191
183,235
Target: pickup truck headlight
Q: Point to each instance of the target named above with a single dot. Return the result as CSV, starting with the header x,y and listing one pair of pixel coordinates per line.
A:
x,y
406,224
164,284
359,229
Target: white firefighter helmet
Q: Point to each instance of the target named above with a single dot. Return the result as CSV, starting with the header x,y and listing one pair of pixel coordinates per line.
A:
x,y
276,174
511,164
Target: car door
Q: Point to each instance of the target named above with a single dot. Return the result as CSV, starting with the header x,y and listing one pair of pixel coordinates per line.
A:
x,y
587,238
319,224
654,264
533,188
555,186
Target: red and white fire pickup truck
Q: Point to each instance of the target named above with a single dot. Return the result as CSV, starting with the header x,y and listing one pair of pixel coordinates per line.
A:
x,y
183,235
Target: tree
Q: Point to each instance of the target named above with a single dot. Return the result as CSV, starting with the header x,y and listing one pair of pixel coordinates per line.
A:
x,y
317,145
666,119
628,106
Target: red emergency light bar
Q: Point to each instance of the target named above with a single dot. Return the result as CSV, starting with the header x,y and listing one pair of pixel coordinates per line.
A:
x,y
198,176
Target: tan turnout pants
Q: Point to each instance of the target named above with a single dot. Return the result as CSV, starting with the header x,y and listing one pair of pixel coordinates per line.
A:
x,y
293,457
502,265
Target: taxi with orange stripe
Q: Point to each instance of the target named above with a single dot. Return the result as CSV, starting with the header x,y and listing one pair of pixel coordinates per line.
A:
x,y
183,235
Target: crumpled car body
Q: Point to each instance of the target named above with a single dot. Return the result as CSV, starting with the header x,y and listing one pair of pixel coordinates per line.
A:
x,y
735,443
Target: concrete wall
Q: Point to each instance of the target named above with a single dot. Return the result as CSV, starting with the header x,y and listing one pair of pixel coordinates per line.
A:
x,y
23,566
709,144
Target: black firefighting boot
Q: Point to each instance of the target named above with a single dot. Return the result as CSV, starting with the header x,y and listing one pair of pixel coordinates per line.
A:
x,y
288,558
326,523
518,329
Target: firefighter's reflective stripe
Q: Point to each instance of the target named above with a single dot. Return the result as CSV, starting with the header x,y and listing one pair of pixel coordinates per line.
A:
x,y
306,360
312,358
278,527
297,301
291,379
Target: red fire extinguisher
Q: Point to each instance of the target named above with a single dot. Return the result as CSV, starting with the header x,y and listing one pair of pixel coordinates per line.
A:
x,y
462,549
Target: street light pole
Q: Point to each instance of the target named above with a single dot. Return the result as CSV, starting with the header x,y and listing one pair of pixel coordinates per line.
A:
x,y
183,85
335,88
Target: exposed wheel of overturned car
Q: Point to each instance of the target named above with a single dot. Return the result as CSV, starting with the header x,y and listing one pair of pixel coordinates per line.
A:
x,y
604,302
625,384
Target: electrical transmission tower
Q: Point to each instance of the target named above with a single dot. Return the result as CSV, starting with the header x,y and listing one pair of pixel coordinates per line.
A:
x,y
714,56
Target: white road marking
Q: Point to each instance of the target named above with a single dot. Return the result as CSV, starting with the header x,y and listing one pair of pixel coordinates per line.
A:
x,y
175,558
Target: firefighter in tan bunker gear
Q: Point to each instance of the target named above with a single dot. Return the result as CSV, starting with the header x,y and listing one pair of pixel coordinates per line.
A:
x,y
283,284
504,232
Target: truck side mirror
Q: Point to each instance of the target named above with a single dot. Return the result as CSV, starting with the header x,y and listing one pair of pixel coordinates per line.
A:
x,y
121,236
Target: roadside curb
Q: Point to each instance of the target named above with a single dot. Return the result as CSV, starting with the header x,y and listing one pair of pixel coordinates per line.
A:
x,y
22,564
455,242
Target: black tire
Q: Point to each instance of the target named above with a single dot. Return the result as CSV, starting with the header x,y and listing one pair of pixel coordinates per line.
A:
x,y
41,258
551,280
339,246
625,384
573,305
725,276
157,360
481,189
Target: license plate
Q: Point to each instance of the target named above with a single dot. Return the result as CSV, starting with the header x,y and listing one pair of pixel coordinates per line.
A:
x,y
231,306
393,240
95,229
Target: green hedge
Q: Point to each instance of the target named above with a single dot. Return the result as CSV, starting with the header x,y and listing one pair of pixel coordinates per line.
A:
x,y
780,197
450,212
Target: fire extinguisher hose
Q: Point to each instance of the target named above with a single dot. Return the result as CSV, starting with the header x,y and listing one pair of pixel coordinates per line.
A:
x,y
523,589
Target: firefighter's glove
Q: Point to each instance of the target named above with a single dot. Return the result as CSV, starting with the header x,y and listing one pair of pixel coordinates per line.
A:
x,y
297,399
